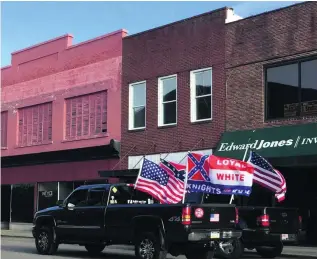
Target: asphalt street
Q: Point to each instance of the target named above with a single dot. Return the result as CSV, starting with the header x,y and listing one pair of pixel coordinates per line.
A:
x,y
15,248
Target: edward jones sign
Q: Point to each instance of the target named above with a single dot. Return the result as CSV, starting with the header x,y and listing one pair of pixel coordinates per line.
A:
x,y
259,144
270,142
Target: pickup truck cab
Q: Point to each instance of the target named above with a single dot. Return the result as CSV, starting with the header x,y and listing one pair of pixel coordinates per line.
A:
x,y
95,216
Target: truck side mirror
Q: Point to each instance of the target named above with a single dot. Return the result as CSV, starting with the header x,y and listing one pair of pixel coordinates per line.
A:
x,y
70,206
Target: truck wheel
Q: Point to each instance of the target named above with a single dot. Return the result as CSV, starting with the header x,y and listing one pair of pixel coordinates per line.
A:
x,y
44,241
200,255
147,246
94,249
231,249
270,252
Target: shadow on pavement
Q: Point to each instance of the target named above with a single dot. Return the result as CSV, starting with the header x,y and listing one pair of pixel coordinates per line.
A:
x,y
118,253
67,253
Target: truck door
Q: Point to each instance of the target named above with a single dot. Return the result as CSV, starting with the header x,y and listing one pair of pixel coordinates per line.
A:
x,y
90,217
67,218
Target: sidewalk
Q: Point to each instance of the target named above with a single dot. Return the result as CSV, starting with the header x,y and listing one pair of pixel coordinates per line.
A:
x,y
16,233
288,250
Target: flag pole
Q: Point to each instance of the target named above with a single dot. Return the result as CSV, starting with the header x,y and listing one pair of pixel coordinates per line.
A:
x,y
140,170
186,179
244,157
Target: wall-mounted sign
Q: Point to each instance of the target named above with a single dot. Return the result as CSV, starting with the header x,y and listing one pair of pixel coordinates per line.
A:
x,y
47,194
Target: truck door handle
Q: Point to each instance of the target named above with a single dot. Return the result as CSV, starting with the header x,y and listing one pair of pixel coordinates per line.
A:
x,y
79,212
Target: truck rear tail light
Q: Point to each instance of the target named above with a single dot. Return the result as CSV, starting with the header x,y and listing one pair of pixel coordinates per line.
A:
x,y
237,216
186,218
263,220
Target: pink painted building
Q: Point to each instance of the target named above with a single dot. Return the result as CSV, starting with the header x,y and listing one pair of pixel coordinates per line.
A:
x,y
60,120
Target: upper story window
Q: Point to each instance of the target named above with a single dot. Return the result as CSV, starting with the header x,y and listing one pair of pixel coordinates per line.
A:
x,y
167,100
201,94
291,90
137,105
35,125
86,116
4,128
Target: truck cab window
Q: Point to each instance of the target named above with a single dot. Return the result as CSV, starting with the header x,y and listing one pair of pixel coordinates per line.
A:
x,y
95,197
78,198
139,197
120,195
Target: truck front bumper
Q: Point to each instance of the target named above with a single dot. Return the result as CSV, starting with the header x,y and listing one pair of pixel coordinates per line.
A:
x,y
213,235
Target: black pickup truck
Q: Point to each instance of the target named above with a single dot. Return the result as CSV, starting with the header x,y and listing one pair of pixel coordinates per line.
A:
x,y
95,216
264,228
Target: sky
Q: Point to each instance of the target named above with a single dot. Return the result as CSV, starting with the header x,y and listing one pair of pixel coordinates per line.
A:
x,y
24,24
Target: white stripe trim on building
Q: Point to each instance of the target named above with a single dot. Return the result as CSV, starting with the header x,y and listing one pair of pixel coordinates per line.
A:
x,y
134,162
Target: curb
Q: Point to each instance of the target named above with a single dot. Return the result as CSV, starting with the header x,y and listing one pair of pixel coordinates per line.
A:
x,y
16,236
295,254
289,254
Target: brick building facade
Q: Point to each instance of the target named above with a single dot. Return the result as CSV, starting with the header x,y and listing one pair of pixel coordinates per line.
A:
x,y
271,101
174,57
59,108
282,35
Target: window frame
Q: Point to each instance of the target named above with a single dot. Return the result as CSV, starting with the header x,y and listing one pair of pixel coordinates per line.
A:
x,y
160,117
280,64
89,136
21,110
131,107
193,97
4,129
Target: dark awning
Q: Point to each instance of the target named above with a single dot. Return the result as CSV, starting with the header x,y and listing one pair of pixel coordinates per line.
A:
x,y
274,142
119,173
112,150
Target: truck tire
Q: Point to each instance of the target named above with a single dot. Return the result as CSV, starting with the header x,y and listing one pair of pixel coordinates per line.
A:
x,y
95,249
231,249
200,255
44,241
147,246
270,252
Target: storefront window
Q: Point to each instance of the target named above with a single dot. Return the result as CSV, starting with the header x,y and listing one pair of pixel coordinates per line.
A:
x,y
291,90
65,188
47,195
22,208
5,202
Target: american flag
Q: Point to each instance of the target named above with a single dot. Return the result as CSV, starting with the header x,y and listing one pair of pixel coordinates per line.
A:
x,y
266,176
158,183
280,195
214,217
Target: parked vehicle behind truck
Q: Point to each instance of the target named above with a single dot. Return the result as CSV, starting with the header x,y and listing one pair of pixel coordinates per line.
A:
x,y
264,228
96,216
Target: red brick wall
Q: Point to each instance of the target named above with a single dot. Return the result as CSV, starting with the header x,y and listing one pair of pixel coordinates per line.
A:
x,y
280,35
177,48
80,69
